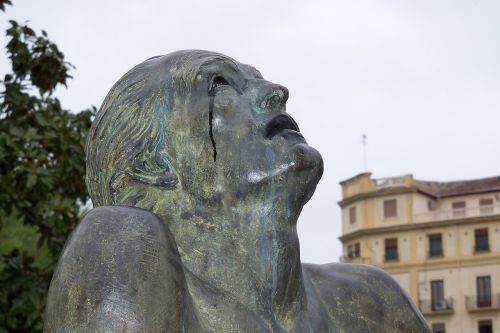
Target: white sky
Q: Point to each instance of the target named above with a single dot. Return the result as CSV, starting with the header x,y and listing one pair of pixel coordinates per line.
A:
x,y
420,78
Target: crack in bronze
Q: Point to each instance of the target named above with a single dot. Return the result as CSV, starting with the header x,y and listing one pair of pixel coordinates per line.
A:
x,y
210,123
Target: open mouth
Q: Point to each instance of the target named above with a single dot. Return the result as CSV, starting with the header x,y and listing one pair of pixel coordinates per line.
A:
x,y
283,125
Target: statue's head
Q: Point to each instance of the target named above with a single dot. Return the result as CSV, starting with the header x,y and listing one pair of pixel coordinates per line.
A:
x,y
192,132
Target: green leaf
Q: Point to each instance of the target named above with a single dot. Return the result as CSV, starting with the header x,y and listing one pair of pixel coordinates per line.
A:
x,y
15,235
31,180
3,3
42,174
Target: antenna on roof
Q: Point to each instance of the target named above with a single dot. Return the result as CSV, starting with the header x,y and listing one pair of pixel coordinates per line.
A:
x,y
363,138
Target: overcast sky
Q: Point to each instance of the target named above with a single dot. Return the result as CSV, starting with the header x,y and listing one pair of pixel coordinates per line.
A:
x,y
420,78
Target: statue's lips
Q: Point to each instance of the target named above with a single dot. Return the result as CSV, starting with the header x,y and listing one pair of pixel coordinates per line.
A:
x,y
284,126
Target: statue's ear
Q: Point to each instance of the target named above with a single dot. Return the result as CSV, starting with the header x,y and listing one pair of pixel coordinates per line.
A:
x,y
153,169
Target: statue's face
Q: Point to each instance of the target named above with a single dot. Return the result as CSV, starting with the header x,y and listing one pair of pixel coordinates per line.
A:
x,y
231,138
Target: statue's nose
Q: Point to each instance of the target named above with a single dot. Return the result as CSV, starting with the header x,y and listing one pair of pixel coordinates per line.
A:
x,y
273,97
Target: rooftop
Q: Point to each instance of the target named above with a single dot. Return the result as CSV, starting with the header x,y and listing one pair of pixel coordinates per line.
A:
x,y
460,187
363,185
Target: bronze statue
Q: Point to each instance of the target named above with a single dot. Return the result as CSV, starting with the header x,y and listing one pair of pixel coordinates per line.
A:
x,y
199,175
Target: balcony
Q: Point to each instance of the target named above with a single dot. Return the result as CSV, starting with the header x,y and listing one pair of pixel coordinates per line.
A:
x,y
391,257
435,254
481,248
483,303
455,214
354,260
390,182
441,307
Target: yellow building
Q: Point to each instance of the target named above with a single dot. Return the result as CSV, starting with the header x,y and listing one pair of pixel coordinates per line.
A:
x,y
439,240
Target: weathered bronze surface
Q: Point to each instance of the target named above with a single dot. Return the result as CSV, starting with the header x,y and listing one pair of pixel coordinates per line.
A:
x,y
199,176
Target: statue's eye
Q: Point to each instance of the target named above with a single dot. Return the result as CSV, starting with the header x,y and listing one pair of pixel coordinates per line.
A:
x,y
219,81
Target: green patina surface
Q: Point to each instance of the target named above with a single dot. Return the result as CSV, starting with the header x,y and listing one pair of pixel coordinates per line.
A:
x,y
199,176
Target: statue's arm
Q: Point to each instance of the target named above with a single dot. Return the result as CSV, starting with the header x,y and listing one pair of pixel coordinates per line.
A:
x,y
400,313
363,298
119,272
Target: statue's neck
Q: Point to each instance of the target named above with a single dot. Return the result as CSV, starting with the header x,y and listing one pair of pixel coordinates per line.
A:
x,y
250,261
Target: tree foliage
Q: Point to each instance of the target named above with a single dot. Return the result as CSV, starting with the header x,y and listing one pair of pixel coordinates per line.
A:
x,y
42,169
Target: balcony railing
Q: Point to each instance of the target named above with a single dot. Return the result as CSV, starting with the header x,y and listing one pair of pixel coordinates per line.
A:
x,y
443,306
390,182
483,302
354,260
481,248
391,258
435,254
440,215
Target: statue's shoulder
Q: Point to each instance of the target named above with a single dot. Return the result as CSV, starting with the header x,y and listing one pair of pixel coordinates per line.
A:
x,y
125,215
119,271
121,230
363,298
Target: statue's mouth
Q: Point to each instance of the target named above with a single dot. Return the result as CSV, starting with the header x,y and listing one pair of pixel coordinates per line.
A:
x,y
283,125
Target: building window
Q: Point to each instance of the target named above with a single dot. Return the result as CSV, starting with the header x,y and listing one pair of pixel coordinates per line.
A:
x,y
352,215
486,206
353,251
481,237
357,250
435,245
483,288
391,249
390,208
437,295
458,208
485,326
350,253
438,328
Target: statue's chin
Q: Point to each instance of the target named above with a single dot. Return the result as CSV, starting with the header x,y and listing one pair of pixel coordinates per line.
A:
x,y
305,158
300,160
307,170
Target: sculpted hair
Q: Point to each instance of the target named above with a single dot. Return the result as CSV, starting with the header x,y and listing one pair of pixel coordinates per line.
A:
x,y
127,139
128,133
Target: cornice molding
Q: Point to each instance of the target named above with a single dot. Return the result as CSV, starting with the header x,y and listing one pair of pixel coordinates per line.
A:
x,y
445,263
377,193
417,226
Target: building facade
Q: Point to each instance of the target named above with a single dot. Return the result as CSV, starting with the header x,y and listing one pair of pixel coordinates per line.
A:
x,y
439,240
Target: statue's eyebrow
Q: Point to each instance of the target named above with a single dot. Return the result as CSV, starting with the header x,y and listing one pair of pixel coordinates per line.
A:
x,y
222,61
226,68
